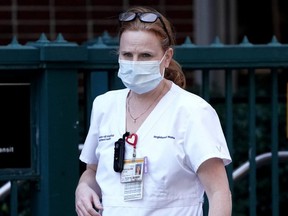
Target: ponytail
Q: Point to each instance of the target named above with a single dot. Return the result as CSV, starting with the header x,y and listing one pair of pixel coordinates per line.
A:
x,y
175,74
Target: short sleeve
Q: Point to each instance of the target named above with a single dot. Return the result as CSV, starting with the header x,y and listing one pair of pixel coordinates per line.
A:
x,y
204,138
88,155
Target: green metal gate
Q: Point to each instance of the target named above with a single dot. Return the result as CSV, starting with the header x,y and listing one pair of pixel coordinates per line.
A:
x,y
243,82
52,172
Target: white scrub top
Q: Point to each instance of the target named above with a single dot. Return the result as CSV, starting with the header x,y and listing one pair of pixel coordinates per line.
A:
x,y
180,134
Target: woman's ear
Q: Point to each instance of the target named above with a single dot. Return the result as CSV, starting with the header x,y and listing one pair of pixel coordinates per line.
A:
x,y
168,57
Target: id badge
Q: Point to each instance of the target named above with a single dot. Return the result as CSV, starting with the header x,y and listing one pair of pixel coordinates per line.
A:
x,y
132,178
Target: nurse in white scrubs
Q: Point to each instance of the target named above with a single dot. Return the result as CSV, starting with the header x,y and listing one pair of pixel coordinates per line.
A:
x,y
173,136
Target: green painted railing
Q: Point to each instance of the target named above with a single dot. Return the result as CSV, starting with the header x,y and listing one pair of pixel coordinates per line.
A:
x,y
244,83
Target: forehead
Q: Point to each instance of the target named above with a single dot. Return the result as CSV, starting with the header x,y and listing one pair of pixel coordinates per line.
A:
x,y
139,41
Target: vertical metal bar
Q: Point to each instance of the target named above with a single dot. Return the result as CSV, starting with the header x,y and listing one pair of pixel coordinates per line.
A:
x,y
58,100
205,84
274,142
252,143
14,198
97,82
287,110
229,120
205,95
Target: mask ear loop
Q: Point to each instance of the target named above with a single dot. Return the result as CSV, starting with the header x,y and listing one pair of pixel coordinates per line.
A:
x,y
162,57
163,74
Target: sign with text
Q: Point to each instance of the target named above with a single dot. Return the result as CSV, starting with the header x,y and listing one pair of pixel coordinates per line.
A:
x,y
15,144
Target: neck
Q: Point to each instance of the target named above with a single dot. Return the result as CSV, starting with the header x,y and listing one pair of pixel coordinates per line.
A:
x,y
138,107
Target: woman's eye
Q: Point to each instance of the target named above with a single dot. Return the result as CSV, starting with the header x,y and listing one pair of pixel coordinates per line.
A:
x,y
139,57
127,55
146,55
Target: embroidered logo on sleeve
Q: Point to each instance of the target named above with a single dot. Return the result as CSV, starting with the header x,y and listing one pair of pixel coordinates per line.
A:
x,y
218,148
106,137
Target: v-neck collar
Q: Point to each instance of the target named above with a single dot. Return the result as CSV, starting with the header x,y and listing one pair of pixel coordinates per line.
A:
x,y
155,115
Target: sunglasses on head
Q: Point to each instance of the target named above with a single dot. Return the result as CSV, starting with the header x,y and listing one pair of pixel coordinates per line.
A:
x,y
146,17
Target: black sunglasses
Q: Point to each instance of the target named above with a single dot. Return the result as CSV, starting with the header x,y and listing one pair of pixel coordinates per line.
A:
x,y
146,17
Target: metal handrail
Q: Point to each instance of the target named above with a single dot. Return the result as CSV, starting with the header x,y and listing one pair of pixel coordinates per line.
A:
x,y
261,160
5,190
239,173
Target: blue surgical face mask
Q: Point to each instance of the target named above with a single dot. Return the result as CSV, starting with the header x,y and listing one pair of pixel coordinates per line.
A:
x,y
140,76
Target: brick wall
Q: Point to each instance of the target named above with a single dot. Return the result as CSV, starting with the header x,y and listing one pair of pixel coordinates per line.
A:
x,y
80,20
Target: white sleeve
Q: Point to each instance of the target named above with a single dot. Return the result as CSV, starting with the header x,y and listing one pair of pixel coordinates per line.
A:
x,y
88,155
205,138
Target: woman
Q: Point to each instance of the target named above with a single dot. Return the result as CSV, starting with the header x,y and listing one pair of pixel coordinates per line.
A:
x,y
174,134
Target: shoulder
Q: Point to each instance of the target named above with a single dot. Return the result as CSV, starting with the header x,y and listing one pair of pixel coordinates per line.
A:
x,y
107,103
188,99
111,96
191,107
